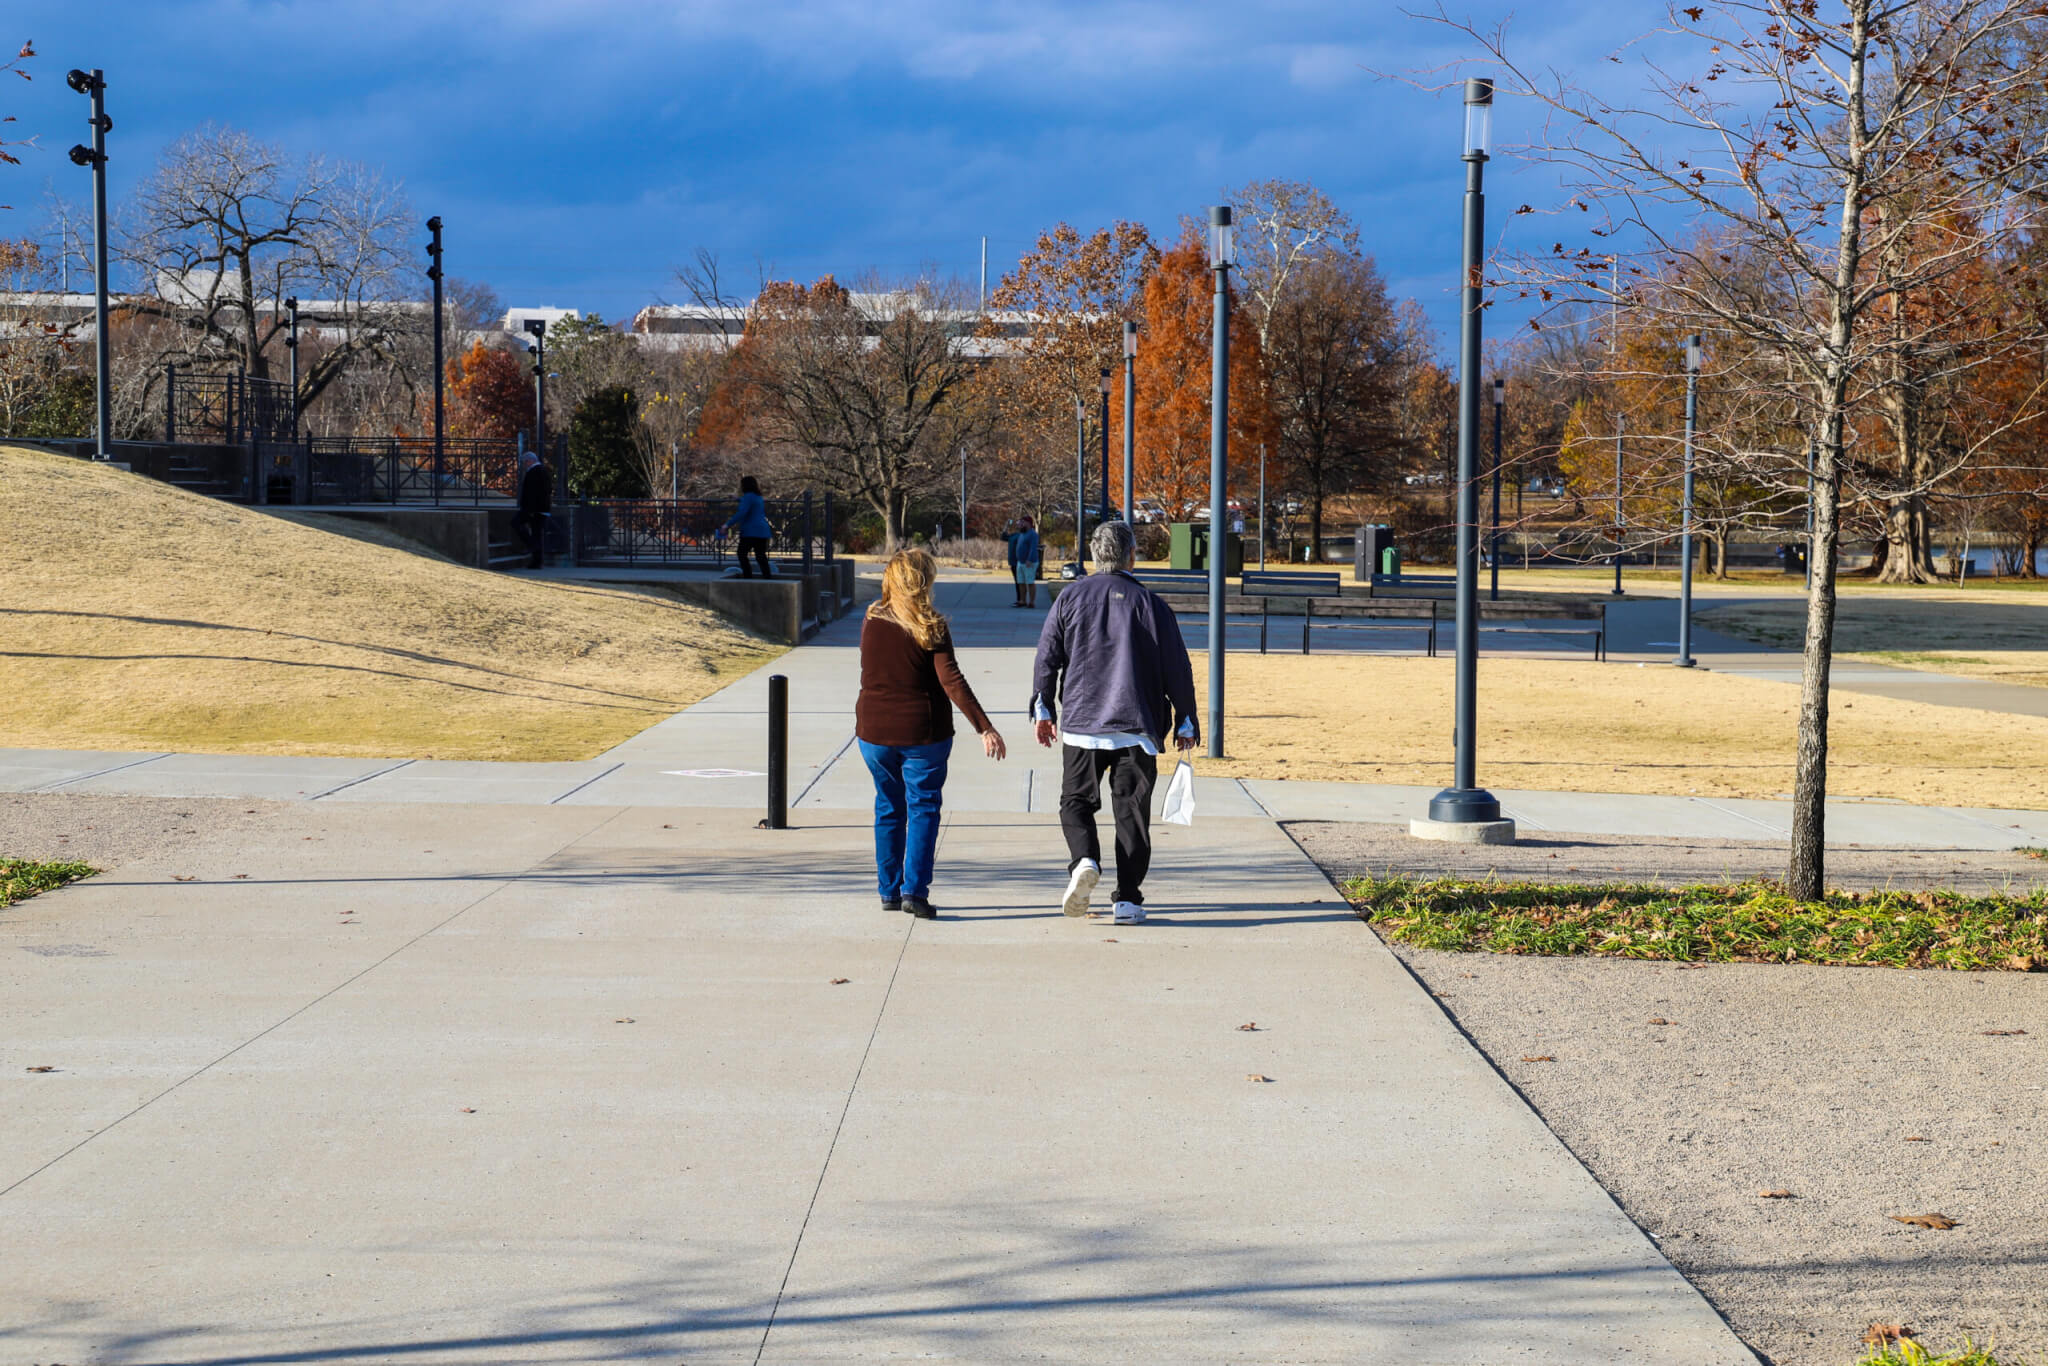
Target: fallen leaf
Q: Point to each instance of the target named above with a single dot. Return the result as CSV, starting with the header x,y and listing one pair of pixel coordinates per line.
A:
x,y
2023,963
1109,941
2000,1033
44,1068
841,981
1256,1076
1915,1138
1248,1027
241,875
1537,1057
1882,1333
176,878
1924,1220
1776,1195
623,1019
467,1110
1659,1019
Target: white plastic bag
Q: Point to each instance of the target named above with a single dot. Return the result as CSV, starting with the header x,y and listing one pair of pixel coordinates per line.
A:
x,y
1180,795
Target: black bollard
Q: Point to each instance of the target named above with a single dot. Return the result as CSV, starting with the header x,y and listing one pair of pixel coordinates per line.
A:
x,y
778,752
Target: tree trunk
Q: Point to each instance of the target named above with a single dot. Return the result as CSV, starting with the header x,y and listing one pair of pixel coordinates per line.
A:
x,y
892,509
1908,550
1807,877
1717,547
1315,526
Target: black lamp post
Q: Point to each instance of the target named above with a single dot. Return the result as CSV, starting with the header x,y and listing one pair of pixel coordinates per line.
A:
x,y
1081,485
1465,803
1221,258
291,350
1102,388
538,327
1692,396
1500,398
94,83
440,373
1130,420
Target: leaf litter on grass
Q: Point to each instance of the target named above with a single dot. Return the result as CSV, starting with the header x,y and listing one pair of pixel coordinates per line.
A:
x,y
1747,922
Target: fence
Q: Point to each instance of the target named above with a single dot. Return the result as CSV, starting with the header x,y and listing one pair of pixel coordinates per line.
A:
x,y
685,531
226,408
404,469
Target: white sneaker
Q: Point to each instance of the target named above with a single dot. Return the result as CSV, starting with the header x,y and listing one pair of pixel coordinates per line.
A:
x,y
1127,913
1079,885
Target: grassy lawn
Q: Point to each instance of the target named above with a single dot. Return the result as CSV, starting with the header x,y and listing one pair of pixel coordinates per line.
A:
x,y
1751,922
138,616
21,879
1578,726
2002,636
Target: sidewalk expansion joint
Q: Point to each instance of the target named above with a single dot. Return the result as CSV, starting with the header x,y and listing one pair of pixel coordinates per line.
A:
x,y
346,982
586,783
833,1146
342,787
823,769
100,773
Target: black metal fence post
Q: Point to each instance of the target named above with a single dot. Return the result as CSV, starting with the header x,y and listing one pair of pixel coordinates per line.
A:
x,y
170,404
807,533
778,752
828,526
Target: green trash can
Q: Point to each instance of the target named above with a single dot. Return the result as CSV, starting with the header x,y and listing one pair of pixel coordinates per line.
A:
x,y
1180,546
1390,562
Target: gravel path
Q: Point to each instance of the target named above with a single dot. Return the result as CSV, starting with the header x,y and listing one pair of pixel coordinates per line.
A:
x,y
1864,1092
110,831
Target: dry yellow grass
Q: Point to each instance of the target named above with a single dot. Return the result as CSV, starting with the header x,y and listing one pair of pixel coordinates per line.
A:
x,y
1587,727
140,617
1982,634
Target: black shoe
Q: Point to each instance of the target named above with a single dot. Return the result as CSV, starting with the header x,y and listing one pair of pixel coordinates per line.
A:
x,y
892,903
919,907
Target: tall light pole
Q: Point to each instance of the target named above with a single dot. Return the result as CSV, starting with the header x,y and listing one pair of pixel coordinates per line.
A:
x,y
1130,420
1102,388
1692,411
538,327
291,349
1500,398
440,375
1620,524
1081,484
1221,256
1465,811
94,83
963,493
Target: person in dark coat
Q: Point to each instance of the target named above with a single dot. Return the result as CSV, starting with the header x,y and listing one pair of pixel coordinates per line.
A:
x,y
536,501
751,522
1112,679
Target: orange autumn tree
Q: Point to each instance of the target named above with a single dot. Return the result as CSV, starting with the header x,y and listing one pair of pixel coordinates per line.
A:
x,y
489,396
1173,373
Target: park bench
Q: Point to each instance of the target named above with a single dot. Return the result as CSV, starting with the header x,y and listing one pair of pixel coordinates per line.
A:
x,y
1298,585
1594,612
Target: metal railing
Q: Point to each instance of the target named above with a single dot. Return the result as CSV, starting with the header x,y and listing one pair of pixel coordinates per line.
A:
x,y
404,469
686,531
228,408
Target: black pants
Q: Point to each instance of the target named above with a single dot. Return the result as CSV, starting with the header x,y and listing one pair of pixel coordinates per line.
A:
x,y
532,528
1132,773
758,547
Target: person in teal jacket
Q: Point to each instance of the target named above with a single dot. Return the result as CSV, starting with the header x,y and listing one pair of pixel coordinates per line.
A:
x,y
1024,557
751,522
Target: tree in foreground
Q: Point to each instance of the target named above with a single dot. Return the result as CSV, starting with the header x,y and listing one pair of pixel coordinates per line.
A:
x,y
1853,154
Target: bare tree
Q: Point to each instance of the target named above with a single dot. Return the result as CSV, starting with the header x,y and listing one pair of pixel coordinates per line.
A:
x,y
225,231
868,390
1826,145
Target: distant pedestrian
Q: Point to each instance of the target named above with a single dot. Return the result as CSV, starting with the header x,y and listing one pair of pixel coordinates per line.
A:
x,y
536,501
1025,554
1112,662
909,684
751,522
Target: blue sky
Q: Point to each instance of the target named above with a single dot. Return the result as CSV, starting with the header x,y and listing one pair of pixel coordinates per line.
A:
x,y
579,150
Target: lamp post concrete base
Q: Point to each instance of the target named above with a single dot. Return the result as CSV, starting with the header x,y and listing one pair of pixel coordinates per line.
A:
x,y
1464,832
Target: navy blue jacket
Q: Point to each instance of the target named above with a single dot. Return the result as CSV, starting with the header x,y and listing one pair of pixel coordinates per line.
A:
x,y
752,518
1111,659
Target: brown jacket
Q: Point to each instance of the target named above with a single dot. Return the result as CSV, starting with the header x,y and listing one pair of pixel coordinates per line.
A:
x,y
904,687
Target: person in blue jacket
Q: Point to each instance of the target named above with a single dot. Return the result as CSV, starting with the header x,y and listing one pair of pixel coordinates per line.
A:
x,y
751,522
1024,557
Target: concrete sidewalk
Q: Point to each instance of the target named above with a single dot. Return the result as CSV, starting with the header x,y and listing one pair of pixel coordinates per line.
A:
x,y
570,1083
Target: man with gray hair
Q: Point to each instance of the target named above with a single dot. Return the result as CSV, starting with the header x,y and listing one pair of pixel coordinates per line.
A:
x,y
1112,662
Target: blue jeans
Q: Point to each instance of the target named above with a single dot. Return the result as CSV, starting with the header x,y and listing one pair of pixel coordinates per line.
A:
x,y
908,783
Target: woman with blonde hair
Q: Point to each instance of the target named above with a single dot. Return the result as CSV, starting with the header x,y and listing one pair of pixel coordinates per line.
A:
x,y
909,684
